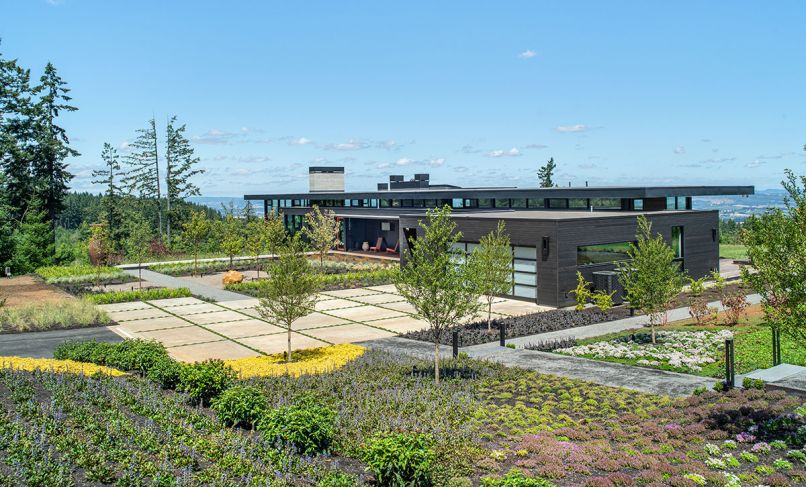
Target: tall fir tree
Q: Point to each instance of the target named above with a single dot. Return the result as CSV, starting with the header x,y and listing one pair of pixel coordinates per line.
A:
x,y
143,176
34,242
111,201
16,138
49,169
546,174
180,163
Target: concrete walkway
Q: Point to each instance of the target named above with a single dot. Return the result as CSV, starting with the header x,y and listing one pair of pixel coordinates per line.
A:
x,y
196,288
41,344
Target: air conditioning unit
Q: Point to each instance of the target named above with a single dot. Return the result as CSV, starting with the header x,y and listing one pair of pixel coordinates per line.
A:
x,y
608,282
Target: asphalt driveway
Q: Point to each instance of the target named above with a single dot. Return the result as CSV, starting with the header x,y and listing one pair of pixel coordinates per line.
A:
x,y
41,344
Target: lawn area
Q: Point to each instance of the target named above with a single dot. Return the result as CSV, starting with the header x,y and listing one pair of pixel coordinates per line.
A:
x,y
375,415
732,251
752,342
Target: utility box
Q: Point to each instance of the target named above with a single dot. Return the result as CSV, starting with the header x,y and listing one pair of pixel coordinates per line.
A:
x,y
608,282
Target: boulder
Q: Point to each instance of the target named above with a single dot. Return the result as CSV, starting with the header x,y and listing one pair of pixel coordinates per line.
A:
x,y
233,277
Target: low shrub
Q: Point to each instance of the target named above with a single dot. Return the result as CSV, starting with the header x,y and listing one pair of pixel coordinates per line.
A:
x,y
559,319
306,426
75,274
138,295
750,383
130,355
346,280
399,459
330,267
52,316
165,372
240,406
337,479
551,345
204,381
515,478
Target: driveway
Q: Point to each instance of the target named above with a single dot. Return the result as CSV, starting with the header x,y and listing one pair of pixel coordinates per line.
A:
x,y
41,344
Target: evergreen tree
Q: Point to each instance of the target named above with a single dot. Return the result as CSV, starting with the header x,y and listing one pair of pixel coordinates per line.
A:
x,y
49,170
6,232
546,173
143,177
34,243
111,201
180,163
16,138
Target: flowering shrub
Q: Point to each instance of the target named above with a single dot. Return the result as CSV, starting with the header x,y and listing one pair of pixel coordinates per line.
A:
x,y
310,361
682,350
54,365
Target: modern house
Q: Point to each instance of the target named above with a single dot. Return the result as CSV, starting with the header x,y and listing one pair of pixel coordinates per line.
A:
x,y
555,232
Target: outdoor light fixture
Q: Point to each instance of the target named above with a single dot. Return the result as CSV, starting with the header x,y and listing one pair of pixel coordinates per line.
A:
x,y
545,248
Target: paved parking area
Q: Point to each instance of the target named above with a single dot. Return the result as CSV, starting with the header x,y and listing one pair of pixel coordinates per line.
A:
x,y
194,330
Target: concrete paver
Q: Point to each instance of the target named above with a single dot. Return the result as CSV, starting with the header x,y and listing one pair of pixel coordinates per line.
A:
x,y
400,325
350,293
379,298
193,309
245,328
136,314
402,306
386,288
517,308
116,307
270,344
336,303
316,320
171,302
179,336
148,324
216,317
365,313
222,350
198,289
348,333
241,304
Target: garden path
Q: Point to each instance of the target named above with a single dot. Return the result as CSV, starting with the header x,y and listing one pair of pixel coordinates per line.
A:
x,y
41,344
595,330
197,288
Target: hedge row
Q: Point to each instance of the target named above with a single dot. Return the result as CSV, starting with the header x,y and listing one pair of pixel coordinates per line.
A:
x,y
138,295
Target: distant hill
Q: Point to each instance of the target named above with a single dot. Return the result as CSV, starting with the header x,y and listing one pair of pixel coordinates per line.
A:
x,y
215,202
740,207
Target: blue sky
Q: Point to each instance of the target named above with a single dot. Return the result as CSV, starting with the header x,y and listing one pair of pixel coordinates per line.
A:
x,y
618,92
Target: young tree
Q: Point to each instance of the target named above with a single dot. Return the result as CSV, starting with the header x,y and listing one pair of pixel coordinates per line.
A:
x,y
248,211
196,231
229,233
276,233
493,257
442,287
111,201
256,240
138,242
180,167
651,278
322,230
49,170
776,246
143,176
292,291
546,173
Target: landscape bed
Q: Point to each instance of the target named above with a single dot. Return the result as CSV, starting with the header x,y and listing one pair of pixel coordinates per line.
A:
x,y
64,429
476,333
328,267
328,282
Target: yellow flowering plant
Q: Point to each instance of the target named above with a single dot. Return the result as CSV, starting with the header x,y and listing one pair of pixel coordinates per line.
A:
x,y
311,361
54,365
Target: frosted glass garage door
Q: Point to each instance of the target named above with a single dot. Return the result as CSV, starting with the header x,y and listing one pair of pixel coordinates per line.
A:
x,y
524,272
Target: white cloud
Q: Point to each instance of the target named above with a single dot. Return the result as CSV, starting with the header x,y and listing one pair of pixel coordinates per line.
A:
x,y
469,149
404,161
383,165
527,54
352,144
679,150
579,127
535,146
214,137
436,162
513,152
755,163
300,141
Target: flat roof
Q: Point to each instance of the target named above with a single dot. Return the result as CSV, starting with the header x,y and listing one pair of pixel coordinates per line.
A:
x,y
556,215
630,192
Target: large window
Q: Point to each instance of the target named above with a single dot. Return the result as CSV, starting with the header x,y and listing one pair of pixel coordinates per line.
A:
x,y
606,203
524,268
677,242
602,253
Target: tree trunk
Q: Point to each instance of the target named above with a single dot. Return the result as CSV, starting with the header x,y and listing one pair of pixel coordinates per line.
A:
x,y
257,264
140,274
436,362
489,313
289,344
195,262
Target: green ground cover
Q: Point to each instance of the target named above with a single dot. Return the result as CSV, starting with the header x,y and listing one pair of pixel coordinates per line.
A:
x,y
52,316
329,282
752,342
732,251
378,417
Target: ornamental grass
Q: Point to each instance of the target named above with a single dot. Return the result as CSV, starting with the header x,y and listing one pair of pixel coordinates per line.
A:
x,y
311,361
53,365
